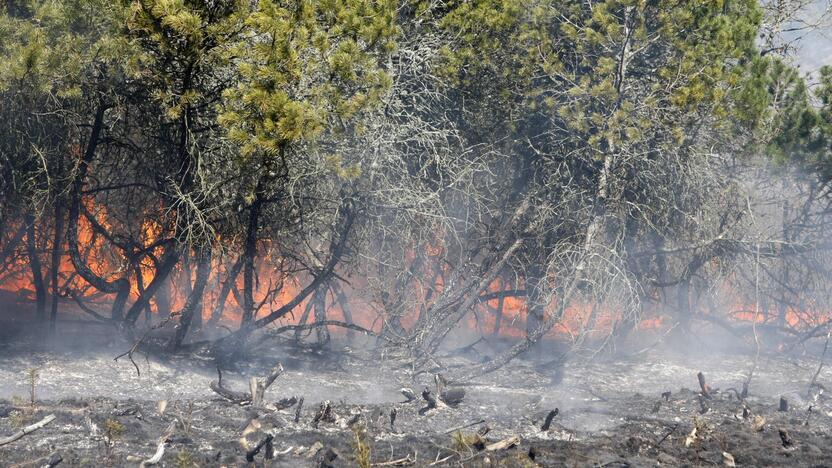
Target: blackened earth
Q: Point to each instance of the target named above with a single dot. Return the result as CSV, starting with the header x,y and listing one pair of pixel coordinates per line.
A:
x,y
611,411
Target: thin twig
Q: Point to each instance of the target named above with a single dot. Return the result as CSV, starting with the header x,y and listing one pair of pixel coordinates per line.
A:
x,y
820,364
464,426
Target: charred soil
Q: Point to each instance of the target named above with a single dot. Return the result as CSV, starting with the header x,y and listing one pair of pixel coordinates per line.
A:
x,y
638,410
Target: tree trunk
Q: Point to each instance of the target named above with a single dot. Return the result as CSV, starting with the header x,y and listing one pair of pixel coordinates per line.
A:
x,y
120,287
320,313
249,255
159,281
140,288
343,301
535,305
683,303
498,315
193,305
233,273
34,264
307,309
56,261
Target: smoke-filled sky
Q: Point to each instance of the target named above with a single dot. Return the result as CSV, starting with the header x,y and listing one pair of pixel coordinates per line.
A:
x,y
814,46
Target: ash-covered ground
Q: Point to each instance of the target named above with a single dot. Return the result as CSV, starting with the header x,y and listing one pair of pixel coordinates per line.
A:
x,y
627,409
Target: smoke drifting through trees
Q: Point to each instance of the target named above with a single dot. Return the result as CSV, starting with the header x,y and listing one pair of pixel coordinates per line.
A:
x,y
409,165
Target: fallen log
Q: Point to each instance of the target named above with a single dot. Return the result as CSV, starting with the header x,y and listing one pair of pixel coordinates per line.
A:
x,y
27,430
504,444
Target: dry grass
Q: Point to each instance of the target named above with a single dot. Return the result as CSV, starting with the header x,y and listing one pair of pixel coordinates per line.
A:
x,y
361,446
463,442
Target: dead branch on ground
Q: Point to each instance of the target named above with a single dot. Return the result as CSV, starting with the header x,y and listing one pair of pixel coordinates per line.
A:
x,y
27,430
258,387
160,447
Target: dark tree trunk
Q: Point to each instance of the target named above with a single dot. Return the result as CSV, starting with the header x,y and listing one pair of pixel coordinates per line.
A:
x,y
392,326
185,276
684,289
140,288
120,287
320,313
343,301
193,305
536,307
249,255
159,281
34,264
233,273
57,241
498,315
233,343
784,270
304,318
683,303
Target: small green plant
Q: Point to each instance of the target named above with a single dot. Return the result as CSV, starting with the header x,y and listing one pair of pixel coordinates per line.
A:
x,y
32,377
184,459
361,446
113,431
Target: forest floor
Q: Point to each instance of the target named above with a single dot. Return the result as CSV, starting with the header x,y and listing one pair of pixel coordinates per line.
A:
x,y
611,410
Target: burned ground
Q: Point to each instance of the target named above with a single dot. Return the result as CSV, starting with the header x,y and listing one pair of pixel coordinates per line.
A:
x,y
610,410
